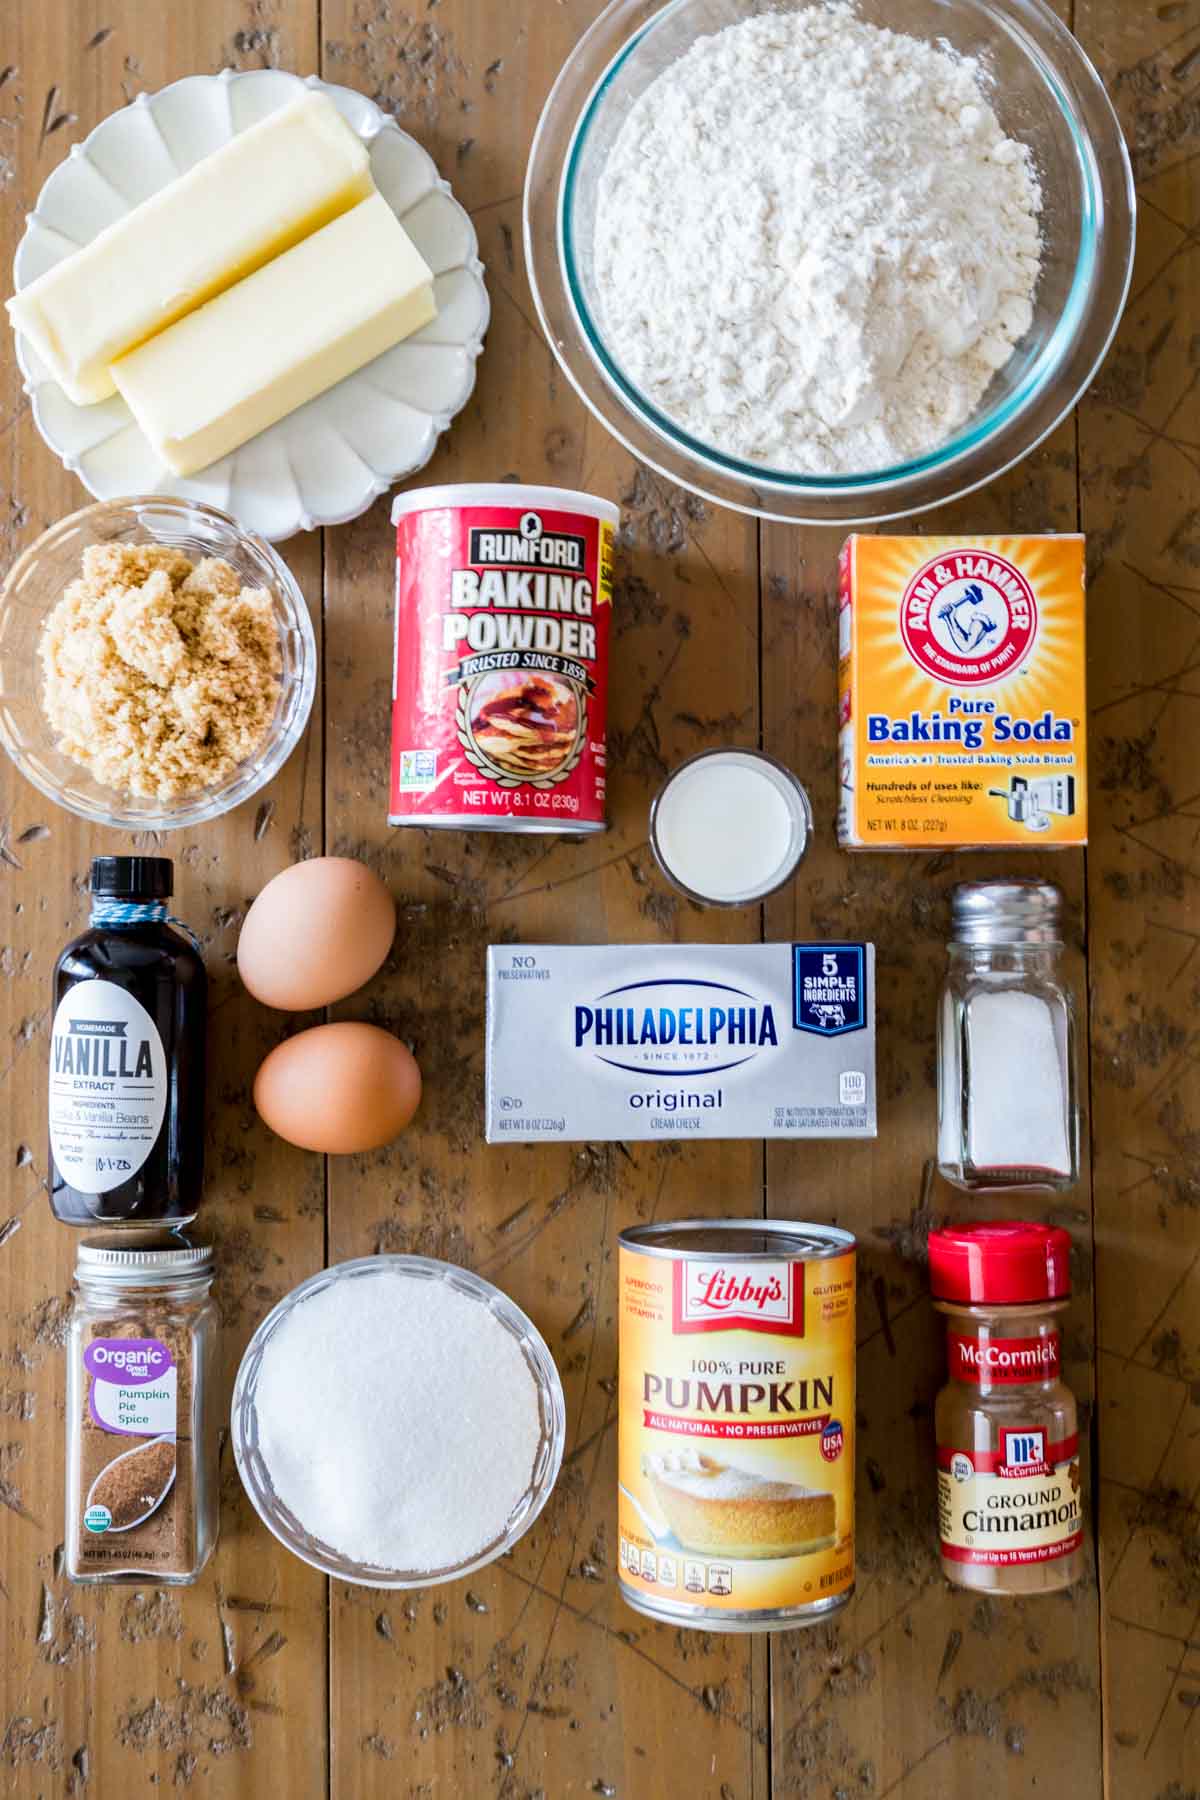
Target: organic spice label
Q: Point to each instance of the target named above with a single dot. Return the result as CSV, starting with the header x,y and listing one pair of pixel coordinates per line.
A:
x,y
128,1488
500,681
736,1431
108,1086
1017,1505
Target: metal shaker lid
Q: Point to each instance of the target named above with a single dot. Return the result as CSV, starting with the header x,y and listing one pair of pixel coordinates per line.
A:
x,y
143,1258
1021,912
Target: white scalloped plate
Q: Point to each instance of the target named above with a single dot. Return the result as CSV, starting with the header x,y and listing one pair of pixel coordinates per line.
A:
x,y
327,461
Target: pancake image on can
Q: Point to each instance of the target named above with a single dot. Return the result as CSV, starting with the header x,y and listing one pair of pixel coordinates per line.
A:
x,y
736,1426
500,673
525,729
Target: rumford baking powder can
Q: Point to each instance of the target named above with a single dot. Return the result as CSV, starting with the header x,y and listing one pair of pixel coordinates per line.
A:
x,y
500,674
736,1454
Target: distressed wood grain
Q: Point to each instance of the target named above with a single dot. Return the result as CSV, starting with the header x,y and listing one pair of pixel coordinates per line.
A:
x,y
920,1689
113,1691
1139,437
533,1678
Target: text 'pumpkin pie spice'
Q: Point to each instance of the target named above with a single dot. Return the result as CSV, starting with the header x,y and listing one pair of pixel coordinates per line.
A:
x,y
141,1414
500,677
736,1452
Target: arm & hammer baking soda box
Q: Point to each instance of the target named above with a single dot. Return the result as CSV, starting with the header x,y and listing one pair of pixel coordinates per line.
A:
x,y
962,714
616,1042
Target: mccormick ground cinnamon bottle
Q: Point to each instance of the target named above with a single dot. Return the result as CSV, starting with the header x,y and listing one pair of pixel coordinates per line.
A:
x,y
1010,1502
127,1057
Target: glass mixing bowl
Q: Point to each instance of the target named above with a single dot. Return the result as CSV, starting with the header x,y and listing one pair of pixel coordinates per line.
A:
x,y
34,586
256,1476
1045,93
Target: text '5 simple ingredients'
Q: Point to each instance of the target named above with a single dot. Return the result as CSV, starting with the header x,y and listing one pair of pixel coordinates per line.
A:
x,y
814,244
127,1056
405,1413
500,679
737,1419
962,705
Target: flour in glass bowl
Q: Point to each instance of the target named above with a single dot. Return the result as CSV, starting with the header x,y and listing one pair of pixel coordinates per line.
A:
x,y
814,244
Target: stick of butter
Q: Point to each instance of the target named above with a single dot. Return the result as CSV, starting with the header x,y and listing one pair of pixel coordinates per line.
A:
x,y
261,192
286,333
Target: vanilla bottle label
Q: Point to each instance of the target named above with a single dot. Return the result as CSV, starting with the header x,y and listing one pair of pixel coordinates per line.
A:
x,y
1016,1505
108,1086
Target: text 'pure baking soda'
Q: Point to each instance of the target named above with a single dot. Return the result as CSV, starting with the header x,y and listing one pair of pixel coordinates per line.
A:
x,y
961,681
736,1439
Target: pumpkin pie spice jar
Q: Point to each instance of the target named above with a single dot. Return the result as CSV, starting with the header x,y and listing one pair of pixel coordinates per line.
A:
x,y
142,1499
1010,1500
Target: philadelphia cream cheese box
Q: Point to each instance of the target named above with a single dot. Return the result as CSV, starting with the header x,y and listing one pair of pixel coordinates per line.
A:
x,y
625,1041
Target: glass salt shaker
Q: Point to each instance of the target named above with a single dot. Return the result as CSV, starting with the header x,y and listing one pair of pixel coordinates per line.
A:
x,y
1008,1109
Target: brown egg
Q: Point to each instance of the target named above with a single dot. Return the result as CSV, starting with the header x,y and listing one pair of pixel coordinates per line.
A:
x,y
316,933
338,1088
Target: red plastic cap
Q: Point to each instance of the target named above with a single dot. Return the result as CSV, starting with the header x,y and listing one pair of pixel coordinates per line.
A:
x,y
1001,1261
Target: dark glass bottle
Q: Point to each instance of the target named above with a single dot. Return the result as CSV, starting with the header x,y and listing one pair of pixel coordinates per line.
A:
x,y
127,1057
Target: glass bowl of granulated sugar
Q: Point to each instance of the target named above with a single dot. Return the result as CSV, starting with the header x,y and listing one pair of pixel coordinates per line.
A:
x,y
398,1422
828,261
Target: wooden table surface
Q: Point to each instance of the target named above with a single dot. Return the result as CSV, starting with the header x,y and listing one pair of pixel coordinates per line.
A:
x,y
533,1678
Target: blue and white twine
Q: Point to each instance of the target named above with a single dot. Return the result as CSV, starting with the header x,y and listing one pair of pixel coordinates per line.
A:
x,y
140,912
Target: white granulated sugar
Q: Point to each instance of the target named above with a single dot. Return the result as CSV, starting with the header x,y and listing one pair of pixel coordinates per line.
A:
x,y
814,245
1017,1112
398,1419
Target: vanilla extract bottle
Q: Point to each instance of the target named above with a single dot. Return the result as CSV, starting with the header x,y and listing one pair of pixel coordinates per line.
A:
x,y
127,1050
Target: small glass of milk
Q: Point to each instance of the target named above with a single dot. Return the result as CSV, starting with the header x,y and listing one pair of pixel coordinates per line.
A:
x,y
728,827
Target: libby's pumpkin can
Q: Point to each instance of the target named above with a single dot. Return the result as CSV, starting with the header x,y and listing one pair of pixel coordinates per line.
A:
x,y
736,1427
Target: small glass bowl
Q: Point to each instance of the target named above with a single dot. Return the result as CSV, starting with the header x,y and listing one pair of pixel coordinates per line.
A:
x,y
256,1478
34,586
1045,92
791,791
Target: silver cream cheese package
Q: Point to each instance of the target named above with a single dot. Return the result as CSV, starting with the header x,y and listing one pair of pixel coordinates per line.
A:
x,y
626,1041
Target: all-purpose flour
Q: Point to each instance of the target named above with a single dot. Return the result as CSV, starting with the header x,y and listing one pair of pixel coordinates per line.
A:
x,y
814,244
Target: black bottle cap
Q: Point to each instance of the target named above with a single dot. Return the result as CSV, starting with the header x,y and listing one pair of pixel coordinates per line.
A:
x,y
133,877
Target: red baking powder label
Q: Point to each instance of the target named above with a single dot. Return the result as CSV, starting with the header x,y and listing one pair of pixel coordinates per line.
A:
x,y
500,678
1001,1362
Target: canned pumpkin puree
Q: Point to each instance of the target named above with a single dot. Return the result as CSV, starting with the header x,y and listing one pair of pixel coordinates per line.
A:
x,y
736,1428
500,672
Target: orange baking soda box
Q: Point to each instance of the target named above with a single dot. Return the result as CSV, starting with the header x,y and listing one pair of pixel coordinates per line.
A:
x,y
962,717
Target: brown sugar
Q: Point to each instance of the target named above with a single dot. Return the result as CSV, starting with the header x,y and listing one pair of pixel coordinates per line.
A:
x,y
160,675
